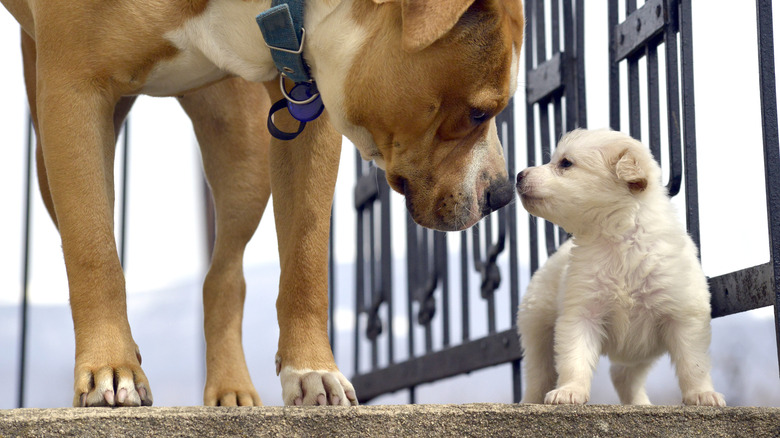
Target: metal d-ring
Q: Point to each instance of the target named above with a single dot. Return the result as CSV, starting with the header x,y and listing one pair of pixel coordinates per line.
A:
x,y
289,98
294,52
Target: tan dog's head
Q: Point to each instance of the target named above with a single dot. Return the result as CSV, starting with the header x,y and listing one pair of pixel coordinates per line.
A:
x,y
594,178
420,96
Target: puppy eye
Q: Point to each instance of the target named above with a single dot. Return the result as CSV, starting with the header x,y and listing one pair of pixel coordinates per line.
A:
x,y
478,116
565,163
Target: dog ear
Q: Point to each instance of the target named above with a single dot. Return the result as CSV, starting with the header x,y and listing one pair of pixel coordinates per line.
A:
x,y
425,21
628,169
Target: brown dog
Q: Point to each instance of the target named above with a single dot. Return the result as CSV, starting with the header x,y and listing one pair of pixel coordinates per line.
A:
x,y
413,83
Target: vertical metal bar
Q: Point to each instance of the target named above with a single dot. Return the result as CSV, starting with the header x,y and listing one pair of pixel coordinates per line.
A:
x,y
423,280
570,73
766,64
541,42
411,284
464,286
614,67
491,297
387,261
372,286
653,102
332,281
25,261
546,151
442,271
507,130
555,25
634,109
674,119
530,136
557,118
689,121
359,270
411,276
123,199
544,126
582,114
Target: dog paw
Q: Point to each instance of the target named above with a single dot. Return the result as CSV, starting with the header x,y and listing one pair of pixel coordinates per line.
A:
x,y
566,396
124,385
230,397
706,398
230,391
316,388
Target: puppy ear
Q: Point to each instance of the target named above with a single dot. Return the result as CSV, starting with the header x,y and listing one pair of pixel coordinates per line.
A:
x,y
628,169
425,21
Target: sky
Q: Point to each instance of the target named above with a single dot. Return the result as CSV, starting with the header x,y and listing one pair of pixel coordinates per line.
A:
x,y
166,231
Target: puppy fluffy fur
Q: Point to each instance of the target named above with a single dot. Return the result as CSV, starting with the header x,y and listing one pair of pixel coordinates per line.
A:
x,y
628,283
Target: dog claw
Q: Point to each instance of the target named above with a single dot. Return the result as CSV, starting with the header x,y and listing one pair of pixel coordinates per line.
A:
x,y
108,395
121,396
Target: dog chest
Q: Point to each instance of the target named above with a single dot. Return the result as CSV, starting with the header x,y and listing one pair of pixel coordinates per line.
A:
x,y
223,40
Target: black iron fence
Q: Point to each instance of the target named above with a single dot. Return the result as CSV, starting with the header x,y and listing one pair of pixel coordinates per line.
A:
x,y
555,103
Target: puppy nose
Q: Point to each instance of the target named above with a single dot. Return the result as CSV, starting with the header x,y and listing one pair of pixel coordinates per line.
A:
x,y
498,194
520,176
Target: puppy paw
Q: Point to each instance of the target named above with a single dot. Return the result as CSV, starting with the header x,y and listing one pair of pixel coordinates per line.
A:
x,y
706,398
316,388
566,396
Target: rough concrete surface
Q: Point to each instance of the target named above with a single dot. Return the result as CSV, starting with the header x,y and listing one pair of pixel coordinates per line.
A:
x,y
471,420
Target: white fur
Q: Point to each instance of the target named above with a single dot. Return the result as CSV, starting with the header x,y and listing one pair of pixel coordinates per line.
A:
x,y
311,387
336,40
223,40
627,285
514,68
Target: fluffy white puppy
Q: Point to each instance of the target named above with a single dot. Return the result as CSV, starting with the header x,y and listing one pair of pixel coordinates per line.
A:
x,y
627,284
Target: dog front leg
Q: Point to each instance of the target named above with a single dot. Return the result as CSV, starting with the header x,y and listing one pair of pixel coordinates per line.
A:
x,y
303,177
77,137
234,145
688,342
578,342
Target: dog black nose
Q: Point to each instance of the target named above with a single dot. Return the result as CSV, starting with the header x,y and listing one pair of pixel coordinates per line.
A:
x,y
520,176
498,194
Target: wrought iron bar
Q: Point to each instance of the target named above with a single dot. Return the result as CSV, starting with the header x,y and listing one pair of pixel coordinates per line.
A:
x,y
123,198
767,82
25,261
689,122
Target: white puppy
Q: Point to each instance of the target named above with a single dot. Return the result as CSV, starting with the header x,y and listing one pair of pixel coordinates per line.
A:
x,y
628,284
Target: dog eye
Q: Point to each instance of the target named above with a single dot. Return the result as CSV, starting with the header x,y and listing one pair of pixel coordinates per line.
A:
x,y
478,116
565,163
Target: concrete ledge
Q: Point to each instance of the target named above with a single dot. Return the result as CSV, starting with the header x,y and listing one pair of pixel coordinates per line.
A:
x,y
488,420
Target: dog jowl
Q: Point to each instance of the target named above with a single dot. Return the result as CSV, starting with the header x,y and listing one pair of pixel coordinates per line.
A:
x,y
415,85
